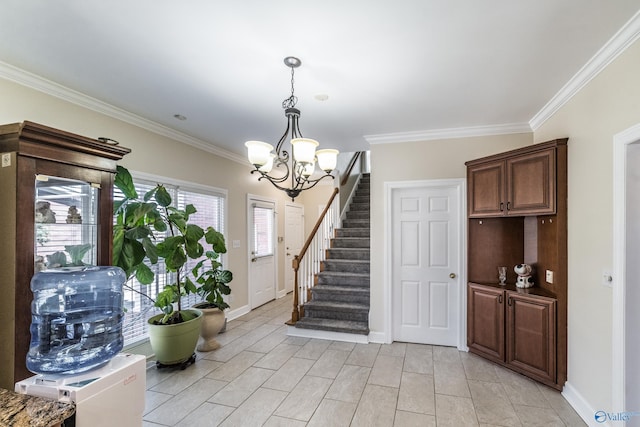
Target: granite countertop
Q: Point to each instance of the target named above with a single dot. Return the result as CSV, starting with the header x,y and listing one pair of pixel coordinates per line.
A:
x,y
18,410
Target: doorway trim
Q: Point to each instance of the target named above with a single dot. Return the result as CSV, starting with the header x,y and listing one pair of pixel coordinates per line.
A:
x,y
460,185
621,143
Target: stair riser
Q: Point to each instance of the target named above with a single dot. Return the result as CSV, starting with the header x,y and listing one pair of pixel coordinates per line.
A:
x,y
340,297
345,267
354,242
341,253
364,330
355,223
357,207
360,200
342,280
353,232
358,215
337,315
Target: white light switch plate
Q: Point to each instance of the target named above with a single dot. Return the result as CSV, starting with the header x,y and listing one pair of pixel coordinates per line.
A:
x,y
549,276
6,160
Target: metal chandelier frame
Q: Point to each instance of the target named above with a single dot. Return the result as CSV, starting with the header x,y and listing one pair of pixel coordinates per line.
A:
x,y
282,162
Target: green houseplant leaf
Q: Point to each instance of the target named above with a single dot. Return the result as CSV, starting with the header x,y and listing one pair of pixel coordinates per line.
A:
x,y
136,245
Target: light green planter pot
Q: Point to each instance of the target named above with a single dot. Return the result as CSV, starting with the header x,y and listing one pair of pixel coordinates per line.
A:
x,y
173,344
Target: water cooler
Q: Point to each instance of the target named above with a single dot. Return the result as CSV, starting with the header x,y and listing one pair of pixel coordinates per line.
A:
x,y
76,339
112,395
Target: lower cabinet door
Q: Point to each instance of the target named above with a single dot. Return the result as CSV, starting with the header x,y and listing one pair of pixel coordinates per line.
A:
x,y
485,321
531,337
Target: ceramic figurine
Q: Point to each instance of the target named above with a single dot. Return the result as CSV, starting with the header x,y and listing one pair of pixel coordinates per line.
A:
x,y
524,276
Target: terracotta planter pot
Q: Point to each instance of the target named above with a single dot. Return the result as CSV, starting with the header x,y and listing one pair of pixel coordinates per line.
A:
x,y
212,323
173,344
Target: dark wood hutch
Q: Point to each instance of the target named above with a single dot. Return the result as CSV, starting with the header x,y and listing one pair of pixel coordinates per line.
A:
x,y
517,213
33,153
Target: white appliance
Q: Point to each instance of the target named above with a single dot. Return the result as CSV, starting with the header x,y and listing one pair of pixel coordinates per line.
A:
x,y
112,395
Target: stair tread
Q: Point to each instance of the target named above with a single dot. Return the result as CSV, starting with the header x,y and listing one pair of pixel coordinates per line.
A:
x,y
348,261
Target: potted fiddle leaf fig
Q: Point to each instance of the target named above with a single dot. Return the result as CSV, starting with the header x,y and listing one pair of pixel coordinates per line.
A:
x,y
212,283
174,333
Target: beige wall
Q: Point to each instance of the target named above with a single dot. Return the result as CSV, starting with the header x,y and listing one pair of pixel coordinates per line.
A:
x,y
159,155
441,159
607,105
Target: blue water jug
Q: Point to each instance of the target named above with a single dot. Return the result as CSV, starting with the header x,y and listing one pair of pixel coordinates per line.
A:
x,y
76,319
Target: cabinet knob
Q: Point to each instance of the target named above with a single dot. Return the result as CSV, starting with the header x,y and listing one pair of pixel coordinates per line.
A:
x,y
452,275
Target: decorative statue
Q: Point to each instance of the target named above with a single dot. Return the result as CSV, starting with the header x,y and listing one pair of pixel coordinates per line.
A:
x,y
44,214
73,216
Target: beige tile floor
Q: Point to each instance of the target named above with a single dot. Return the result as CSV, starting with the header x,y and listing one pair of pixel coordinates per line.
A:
x,y
262,377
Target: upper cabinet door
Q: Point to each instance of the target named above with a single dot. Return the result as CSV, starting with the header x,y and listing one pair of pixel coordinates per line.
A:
x,y
531,184
486,189
519,185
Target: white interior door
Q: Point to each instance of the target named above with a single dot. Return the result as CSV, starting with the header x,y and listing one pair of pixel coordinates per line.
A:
x,y
262,265
426,265
293,240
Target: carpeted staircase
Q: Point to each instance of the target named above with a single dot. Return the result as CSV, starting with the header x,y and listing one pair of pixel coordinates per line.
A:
x,y
340,298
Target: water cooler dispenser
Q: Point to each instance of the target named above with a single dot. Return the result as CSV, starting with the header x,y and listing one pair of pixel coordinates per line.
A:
x,y
76,339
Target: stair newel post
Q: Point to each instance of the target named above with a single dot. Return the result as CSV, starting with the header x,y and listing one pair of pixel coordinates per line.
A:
x,y
295,314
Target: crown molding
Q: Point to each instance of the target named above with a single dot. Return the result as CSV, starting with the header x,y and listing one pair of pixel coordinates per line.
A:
x,y
450,133
620,41
33,81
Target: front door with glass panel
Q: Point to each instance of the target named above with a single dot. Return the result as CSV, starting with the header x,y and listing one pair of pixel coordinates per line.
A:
x,y
262,265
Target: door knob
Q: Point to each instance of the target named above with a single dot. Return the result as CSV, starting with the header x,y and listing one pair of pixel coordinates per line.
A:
x,y
288,254
253,259
452,275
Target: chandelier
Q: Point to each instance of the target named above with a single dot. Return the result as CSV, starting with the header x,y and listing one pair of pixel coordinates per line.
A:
x,y
279,167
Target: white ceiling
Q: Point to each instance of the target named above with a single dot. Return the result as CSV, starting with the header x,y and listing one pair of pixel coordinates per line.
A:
x,y
387,67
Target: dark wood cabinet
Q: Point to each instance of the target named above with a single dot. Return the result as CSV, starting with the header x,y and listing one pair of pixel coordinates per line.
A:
x,y
531,336
485,321
517,213
518,185
45,165
515,328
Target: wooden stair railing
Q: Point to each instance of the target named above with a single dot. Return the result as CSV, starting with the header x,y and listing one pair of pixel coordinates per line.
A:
x,y
305,268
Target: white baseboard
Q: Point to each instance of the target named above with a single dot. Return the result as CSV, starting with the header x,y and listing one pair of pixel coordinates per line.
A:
x,y
581,406
378,338
234,314
292,331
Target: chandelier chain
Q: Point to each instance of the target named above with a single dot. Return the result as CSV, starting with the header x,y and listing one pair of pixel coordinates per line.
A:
x,y
291,101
